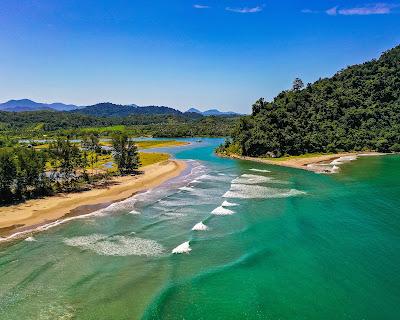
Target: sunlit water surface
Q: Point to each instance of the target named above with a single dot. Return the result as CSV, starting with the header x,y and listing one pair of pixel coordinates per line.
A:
x,y
270,243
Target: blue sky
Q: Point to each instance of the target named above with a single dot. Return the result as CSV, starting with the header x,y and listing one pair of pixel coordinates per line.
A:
x,y
183,53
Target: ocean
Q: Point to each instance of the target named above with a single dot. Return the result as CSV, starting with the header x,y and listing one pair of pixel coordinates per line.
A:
x,y
228,239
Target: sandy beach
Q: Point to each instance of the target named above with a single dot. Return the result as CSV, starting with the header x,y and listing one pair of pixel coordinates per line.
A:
x,y
32,213
326,163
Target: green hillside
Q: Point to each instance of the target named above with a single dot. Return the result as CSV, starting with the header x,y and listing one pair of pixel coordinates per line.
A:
x,y
356,109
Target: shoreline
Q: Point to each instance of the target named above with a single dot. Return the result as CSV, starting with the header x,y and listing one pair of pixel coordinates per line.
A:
x,y
325,163
34,215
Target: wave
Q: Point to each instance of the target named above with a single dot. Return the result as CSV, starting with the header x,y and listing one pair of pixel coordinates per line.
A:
x,y
182,248
221,211
135,212
186,188
255,179
116,245
259,170
213,177
200,227
30,239
229,204
243,191
344,159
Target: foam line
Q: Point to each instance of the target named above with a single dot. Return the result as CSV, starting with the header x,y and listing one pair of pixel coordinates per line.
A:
x,y
229,204
116,245
259,170
244,191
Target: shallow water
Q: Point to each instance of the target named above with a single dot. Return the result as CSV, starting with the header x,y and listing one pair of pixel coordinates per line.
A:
x,y
281,244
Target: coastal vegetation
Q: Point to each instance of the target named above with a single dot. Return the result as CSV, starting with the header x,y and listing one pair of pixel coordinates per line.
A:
x,y
358,109
63,165
44,124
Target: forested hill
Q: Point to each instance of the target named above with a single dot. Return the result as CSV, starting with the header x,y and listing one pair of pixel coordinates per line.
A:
x,y
116,110
356,109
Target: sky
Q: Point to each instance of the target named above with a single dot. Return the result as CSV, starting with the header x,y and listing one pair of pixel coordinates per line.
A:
x,y
183,53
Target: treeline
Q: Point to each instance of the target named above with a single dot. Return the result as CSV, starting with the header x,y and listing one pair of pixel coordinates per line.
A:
x,y
27,173
357,109
38,123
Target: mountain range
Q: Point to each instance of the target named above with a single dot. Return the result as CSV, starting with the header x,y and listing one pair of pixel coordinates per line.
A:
x,y
29,105
212,112
106,109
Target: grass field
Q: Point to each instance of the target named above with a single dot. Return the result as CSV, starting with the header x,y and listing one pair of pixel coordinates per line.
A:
x,y
146,159
150,158
159,144
152,144
118,128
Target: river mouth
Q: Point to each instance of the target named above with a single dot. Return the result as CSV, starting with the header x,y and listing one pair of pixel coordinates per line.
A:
x,y
226,239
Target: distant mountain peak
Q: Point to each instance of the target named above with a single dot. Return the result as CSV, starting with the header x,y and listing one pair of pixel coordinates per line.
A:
x,y
193,110
212,112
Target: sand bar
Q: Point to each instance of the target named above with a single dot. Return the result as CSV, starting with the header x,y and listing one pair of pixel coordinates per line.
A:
x,y
312,163
32,213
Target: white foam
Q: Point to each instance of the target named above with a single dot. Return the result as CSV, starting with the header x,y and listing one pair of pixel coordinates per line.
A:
x,y
229,204
200,227
116,245
259,170
243,191
255,179
135,212
335,169
341,160
221,211
182,248
186,188
30,239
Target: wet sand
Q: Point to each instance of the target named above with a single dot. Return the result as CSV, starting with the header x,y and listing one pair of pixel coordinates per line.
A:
x,y
34,213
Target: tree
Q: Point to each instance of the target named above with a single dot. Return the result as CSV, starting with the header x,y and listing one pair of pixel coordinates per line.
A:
x,y
91,144
31,179
258,106
66,160
298,84
126,155
7,175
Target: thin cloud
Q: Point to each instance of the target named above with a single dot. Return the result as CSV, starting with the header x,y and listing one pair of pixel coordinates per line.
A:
x,y
370,9
309,11
201,6
332,11
245,10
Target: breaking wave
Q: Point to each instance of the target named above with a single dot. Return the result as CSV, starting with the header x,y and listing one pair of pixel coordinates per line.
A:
x,y
259,170
200,227
243,191
229,204
344,159
186,188
255,179
182,248
116,245
221,211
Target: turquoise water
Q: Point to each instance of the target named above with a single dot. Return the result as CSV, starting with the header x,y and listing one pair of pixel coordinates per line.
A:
x,y
296,246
